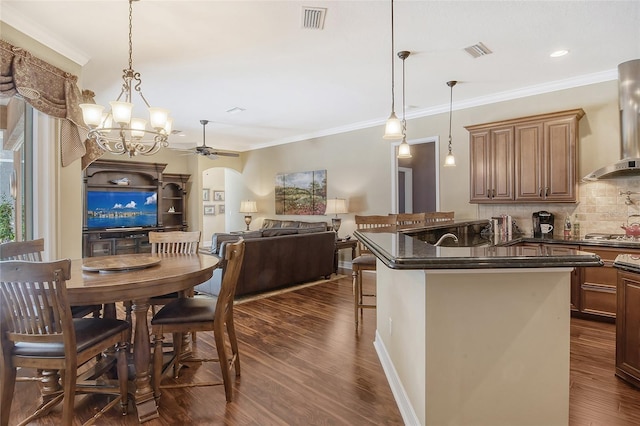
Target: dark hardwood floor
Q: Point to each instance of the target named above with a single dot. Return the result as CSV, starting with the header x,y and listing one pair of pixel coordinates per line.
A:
x,y
303,364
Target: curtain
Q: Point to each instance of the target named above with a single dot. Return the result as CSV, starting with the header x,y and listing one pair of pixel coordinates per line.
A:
x,y
49,90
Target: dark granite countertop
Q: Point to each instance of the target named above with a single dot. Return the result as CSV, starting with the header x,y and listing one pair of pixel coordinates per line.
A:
x,y
628,262
398,250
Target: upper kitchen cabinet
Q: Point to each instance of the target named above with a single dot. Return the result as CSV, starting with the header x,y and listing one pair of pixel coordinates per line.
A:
x,y
492,164
529,159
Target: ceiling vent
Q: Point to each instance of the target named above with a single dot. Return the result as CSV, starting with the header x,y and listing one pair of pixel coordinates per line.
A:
x,y
478,50
313,17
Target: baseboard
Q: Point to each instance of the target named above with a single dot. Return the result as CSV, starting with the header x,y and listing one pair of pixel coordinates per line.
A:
x,y
404,405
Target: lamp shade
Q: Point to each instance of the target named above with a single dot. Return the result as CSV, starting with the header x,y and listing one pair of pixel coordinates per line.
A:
x,y
248,207
336,206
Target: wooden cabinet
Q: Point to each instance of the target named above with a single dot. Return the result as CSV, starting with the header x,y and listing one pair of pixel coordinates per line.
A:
x,y
492,164
530,159
628,327
598,284
107,178
174,191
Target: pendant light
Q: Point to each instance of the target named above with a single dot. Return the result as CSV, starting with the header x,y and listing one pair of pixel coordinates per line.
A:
x,y
393,128
404,149
450,160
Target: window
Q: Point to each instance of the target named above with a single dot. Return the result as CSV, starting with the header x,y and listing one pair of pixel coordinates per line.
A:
x,y
16,174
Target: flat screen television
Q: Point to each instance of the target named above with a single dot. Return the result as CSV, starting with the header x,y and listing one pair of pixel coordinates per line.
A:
x,y
121,209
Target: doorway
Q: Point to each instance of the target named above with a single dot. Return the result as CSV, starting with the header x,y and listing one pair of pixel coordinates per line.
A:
x,y
415,180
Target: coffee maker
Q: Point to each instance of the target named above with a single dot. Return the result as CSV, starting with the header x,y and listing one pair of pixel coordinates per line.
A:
x,y
542,224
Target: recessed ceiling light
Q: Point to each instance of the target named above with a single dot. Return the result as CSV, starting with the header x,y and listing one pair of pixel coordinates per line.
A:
x,y
559,53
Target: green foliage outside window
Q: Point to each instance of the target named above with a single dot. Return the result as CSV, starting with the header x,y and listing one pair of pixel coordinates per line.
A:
x,y
6,219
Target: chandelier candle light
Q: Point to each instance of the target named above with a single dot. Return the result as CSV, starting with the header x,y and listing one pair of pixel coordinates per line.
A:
x,y
450,160
248,207
336,206
131,136
393,128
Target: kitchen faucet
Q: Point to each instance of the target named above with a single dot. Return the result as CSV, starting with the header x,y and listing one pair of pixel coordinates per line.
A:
x,y
444,237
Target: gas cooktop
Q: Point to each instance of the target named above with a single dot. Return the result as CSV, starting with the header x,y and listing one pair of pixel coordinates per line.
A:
x,y
612,237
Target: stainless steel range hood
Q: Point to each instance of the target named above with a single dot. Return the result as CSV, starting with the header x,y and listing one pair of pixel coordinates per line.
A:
x,y
629,100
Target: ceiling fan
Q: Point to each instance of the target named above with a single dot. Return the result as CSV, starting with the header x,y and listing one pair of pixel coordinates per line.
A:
x,y
208,151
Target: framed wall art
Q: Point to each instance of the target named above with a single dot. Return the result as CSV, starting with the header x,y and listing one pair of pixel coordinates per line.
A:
x,y
221,209
209,210
301,193
218,195
205,194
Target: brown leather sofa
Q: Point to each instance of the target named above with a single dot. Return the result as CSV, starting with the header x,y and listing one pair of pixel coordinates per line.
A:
x,y
274,262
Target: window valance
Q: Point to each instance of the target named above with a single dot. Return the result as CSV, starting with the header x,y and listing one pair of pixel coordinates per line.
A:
x,y
49,90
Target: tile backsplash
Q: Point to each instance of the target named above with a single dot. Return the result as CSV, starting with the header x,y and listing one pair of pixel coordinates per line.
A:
x,y
603,207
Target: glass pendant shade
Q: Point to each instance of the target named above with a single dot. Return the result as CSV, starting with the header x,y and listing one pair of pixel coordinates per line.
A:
x,y
92,114
393,128
121,112
137,127
449,160
158,118
404,150
168,126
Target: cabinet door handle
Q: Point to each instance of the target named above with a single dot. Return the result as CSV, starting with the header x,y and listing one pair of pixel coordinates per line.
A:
x,y
540,192
546,192
494,193
488,193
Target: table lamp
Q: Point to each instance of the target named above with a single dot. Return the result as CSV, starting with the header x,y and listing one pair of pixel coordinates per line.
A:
x,y
248,207
336,206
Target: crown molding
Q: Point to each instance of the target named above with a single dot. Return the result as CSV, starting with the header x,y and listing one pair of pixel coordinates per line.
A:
x,y
538,89
21,23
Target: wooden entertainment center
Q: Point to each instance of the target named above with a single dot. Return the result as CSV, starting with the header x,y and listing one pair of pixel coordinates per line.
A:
x,y
122,176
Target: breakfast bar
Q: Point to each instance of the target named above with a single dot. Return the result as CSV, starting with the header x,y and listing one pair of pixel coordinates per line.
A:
x,y
475,334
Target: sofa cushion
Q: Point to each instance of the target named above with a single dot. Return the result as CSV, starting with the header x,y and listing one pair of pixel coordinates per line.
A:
x,y
276,232
220,237
271,223
289,223
313,225
305,230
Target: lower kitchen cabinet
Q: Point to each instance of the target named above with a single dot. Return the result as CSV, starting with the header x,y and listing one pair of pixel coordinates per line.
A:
x,y
598,284
628,328
593,290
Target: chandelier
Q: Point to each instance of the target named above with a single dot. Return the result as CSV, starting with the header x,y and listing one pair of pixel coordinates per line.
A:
x,y
129,135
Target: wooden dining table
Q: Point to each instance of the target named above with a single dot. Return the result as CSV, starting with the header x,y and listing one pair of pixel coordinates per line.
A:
x,y
137,278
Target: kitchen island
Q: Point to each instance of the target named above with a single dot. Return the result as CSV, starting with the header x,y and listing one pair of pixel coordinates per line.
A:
x,y
474,335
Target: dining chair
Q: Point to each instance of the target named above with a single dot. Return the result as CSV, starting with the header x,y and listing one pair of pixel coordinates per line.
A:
x,y
410,219
179,242
434,217
366,261
38,331
184,315
31,250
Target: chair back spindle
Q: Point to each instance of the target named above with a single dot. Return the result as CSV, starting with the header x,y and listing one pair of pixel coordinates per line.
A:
x,y
33,297
22,250
234,253
370,222
174,242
